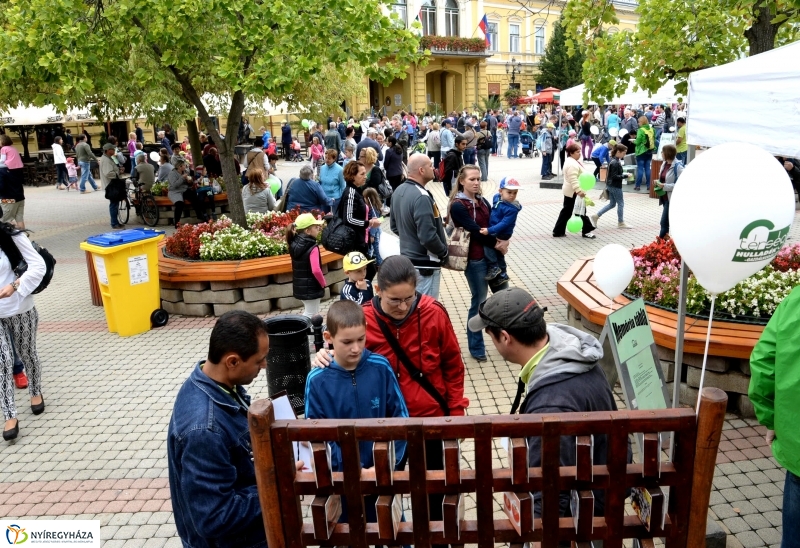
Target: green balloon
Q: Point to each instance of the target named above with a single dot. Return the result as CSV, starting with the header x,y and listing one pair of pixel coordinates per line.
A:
x,y
575,224
304,123
274,185
586,181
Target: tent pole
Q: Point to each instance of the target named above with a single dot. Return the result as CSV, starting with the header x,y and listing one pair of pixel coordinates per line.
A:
x,y
680,327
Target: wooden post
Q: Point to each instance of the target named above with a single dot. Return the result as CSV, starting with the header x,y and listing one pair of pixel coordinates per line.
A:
x,y
710,417
261,417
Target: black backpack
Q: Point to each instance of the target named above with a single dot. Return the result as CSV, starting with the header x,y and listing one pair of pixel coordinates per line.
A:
x,y
484,142
20,266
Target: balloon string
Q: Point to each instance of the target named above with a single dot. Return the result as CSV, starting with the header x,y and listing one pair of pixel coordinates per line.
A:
x,y
705,354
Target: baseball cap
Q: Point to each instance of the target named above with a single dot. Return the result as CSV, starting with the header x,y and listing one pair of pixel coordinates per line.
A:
x,y
108,146
306,220
355,260
510,184
512,308
550,125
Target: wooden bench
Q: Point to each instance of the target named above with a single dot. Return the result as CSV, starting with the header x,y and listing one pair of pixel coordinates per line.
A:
x,y
166,208
688,475
176,270
733,340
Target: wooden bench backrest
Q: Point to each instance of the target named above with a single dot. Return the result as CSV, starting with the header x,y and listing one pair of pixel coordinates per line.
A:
x,y
688,477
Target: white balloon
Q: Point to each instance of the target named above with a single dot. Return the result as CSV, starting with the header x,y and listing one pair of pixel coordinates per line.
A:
x,y
594,130
613,132
623,132
730,213
530,93
613,269
389,245
155,156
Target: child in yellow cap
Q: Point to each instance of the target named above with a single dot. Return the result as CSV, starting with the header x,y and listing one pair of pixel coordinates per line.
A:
x,y
357,288
308,281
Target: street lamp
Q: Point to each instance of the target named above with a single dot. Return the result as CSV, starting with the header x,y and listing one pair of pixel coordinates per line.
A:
x,y
513,68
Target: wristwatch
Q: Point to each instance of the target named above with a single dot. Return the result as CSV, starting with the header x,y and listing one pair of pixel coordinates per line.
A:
x,y
15,285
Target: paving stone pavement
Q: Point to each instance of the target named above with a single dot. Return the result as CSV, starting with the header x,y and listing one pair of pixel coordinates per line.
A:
x,y
98,452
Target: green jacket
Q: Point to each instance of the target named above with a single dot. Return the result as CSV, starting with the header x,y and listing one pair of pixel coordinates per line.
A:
x,y
642,144
775,381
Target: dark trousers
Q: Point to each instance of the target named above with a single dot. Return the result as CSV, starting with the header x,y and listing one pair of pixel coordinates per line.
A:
x,y
566,212
664,218
190,196
436,156
562,156
597,163
287,151
434,460
62,175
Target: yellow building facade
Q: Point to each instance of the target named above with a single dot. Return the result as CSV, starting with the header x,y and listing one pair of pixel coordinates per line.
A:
x,y
456,78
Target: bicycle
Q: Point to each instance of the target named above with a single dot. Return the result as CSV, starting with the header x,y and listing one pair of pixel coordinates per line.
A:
x,y
144,203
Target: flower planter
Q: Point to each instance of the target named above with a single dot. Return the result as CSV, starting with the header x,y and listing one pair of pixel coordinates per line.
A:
x,y
211,288
728,365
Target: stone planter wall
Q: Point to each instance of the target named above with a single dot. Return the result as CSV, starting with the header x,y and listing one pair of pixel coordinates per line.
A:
x,y
256,295
729,374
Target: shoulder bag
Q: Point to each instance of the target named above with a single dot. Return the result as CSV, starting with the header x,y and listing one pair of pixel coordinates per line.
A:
x,y
413,371
116,190
457,239
337,236
285,197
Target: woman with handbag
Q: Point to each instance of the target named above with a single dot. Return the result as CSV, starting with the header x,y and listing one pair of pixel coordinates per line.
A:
x,y
353,210
571,189
469,210
414,333
19,321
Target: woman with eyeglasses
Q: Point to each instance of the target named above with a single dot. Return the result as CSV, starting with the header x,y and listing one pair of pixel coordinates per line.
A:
x,y
413,332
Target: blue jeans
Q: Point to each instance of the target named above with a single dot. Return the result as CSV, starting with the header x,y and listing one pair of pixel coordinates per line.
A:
x,y
513,143
494,259
478,287
791,512
547,164
615,199
682,157
664,220
429,285
113,210
643,162
494,141
86,173
469,156
483,163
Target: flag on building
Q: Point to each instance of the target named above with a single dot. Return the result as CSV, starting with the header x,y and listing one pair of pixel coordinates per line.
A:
x,y
484,26
416,10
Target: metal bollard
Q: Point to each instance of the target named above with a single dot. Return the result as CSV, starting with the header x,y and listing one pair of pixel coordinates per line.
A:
x,y
316,323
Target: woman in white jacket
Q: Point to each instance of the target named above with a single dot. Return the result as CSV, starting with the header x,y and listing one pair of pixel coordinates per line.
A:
x,y
19,322
571,189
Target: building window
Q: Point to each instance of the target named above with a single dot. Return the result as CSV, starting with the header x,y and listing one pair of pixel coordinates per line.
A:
x,y
539,39
451,18
400,7
612,31
491,35
513,43
428,17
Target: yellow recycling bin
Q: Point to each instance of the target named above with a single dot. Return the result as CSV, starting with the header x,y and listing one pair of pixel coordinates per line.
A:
x,y
126,263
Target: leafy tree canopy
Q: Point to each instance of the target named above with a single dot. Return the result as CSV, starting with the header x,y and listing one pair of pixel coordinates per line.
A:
x,y
673,39
160,57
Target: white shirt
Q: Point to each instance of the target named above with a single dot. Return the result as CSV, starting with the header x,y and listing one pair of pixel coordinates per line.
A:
x,y
58,154
21,300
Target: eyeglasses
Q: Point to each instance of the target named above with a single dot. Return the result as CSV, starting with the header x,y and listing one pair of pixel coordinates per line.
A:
x,y
398,302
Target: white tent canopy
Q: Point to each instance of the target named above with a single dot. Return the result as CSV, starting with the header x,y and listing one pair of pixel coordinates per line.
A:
x,y
768,83
31,116
632,96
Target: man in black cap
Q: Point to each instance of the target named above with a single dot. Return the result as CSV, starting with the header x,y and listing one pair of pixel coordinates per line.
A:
x,y
560,373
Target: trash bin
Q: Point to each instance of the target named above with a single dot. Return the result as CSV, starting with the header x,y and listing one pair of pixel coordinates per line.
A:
x,y
289,359
126,264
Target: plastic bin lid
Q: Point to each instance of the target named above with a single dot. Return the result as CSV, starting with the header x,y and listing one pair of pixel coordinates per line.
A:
x,y
120,237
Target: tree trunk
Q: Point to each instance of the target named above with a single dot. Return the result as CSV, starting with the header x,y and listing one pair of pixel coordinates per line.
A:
x,y
194,141
24,134
761,35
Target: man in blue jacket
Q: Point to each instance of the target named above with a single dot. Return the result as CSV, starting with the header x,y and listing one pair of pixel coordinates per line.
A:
x,y
212,480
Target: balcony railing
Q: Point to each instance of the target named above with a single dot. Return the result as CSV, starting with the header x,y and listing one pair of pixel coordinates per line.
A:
x,y
454,45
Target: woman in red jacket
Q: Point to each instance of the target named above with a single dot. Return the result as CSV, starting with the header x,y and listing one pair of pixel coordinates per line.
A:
x,y
401,320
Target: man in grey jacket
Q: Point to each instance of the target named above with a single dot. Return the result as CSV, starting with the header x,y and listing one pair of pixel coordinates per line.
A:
x,y
332,139
560,374
514,123
418,223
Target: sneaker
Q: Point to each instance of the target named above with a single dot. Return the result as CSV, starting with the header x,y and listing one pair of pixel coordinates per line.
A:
x,y
636,188
595,219
21,380
86,191
623,225
492,274
590,236
502,278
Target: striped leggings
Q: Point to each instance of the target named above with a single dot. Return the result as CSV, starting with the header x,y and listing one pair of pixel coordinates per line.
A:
x,y
22,328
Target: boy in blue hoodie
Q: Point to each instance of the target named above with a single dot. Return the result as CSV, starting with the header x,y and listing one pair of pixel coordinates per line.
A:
x,y
358,384
501,225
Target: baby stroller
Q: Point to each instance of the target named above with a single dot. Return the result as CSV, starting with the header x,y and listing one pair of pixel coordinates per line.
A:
x,y
418,148
295,155
528,144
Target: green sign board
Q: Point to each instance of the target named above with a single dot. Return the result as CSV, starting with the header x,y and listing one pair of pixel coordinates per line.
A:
x,y
636,357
